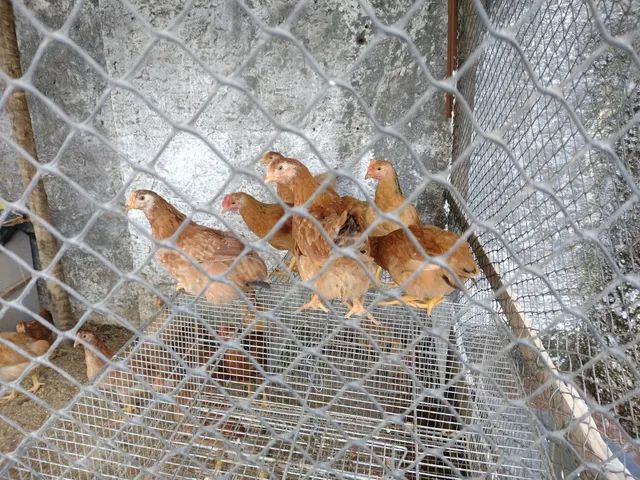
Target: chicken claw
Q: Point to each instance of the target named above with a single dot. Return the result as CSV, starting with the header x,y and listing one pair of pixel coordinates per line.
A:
x,y
36,383
12,396
431,303
314,304
358,309
414,302
292,264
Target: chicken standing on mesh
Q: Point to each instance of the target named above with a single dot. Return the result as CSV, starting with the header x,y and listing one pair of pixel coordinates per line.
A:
x,y
285,193
12,363
239,364
389,199
343,278
424,284
217,252
122,383
261,218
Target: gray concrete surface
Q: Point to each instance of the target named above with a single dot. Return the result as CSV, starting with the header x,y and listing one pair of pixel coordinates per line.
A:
x,y
168,86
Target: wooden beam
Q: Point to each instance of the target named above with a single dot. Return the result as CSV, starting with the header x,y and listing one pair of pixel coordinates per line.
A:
x,y
565,402
20,119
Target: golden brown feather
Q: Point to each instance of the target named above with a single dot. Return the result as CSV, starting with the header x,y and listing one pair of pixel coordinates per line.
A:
x,y
215,252
13,363
396,253
343,278
389,199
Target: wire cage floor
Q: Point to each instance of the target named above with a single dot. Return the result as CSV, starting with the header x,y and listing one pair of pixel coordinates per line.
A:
x,y
342,398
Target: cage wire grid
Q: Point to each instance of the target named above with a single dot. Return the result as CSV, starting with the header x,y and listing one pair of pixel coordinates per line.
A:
x,y
323,407
447,400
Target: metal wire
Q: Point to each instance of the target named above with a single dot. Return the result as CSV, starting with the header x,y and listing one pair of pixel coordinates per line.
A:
x,y
543,181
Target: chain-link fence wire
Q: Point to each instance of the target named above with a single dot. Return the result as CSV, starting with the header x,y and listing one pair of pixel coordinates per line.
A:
x,y
556,87
543,183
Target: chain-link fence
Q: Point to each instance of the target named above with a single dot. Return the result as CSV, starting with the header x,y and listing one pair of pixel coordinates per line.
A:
x,y
528,369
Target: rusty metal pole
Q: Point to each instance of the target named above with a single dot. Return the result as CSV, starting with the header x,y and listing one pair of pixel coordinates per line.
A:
x,y
452,49
18,113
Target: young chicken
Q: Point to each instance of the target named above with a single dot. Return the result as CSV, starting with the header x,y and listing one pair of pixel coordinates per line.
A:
x,y
261,218
37,330
93,362
236,364
396,253
122,384
284,191
215,251
343,279
12,363
389,199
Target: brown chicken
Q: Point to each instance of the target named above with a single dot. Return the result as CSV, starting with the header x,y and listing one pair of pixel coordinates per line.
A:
x,y
37,330
343,279
121,383
215,252
397,254
284,191
389,199
261,218
13,363
93,362
236,365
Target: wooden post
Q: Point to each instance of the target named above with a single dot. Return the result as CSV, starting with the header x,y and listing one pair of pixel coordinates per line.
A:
x,y
18,113
452,50
565,402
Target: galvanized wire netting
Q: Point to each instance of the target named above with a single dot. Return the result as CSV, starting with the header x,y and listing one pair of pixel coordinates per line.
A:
x,y
529,372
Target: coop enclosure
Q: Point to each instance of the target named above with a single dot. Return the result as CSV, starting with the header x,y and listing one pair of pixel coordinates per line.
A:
x,y
530,371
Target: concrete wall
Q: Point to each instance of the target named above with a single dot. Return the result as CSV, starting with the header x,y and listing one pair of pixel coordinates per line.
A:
x,y
164,86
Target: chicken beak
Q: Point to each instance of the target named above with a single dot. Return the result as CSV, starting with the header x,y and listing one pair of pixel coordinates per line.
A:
x,y
76,343
269,177
368,175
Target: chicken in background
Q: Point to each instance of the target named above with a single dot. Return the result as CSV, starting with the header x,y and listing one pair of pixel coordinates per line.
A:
x,y
13,364
343,279
284,191
397,254
36,329
236,364
119,382
260,218
389,199
217,252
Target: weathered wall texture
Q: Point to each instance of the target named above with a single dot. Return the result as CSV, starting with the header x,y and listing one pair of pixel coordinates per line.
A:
x,y
163,89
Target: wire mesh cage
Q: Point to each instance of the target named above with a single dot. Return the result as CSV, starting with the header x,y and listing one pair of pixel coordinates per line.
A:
x,y
528,370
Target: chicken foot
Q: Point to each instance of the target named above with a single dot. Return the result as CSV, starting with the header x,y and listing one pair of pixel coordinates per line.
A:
x,y
358,309
34,388
35,381
314,304
414,302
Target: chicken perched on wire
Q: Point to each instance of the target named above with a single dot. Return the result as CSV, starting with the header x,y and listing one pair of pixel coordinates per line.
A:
x,y
216,252
14,363
341,278
389,199
424,284
284,191
261,218
122,384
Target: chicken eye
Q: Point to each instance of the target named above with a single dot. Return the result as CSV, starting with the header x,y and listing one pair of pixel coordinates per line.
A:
x,y
280,167
379,168
141,198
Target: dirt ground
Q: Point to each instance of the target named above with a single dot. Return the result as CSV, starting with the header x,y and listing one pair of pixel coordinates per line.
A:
x,y
56,391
